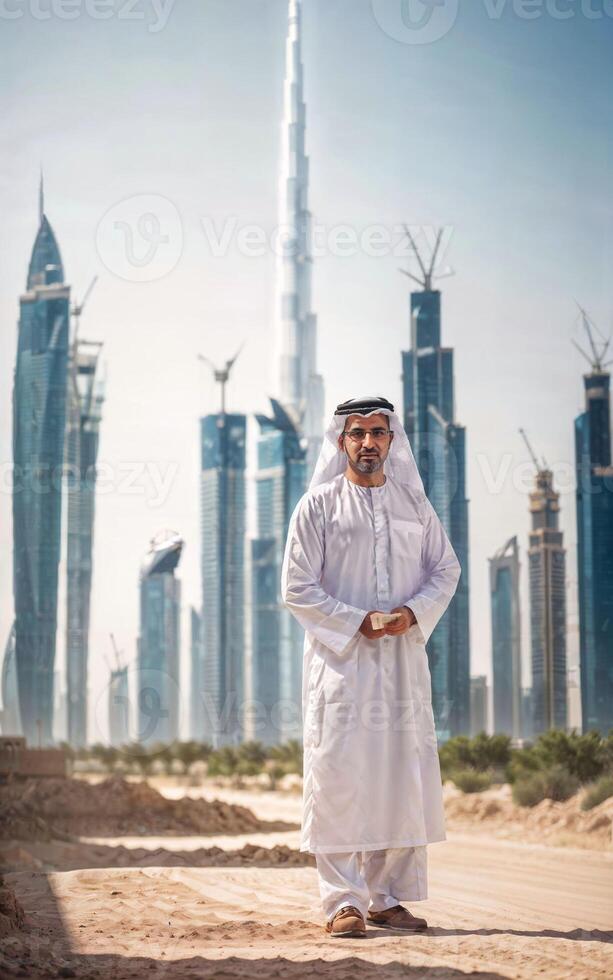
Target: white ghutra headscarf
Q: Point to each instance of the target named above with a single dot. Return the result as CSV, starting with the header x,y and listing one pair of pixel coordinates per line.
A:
x,y
400,464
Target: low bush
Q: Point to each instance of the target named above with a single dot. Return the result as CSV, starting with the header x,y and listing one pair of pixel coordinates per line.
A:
x,y
471,781
483,753
561,784
524,762
584,756
556,783
529,790
598,793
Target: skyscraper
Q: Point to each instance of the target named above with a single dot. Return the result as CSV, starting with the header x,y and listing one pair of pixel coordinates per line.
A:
x,y
547,566
506,639
197,676
118,702
158,643
439,445
119,708
60,709
300,387
595,543
85,397
527,714
10,720
478,705
223,505
39,422
277,640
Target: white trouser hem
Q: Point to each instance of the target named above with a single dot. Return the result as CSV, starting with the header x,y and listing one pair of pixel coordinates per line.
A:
x,y
381,903
372,880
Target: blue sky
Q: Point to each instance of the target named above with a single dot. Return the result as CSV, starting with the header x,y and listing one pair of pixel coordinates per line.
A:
x,y
501,131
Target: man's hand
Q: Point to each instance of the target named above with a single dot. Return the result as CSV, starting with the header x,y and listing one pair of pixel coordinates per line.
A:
x,y
402,625
367,630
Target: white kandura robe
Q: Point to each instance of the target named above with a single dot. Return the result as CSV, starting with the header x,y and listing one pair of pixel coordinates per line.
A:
x,y
371,770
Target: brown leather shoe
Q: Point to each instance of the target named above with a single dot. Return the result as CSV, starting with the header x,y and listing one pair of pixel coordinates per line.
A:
x,y
347,923
397,918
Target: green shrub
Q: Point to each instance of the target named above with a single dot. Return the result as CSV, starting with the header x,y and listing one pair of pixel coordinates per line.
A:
x,y
598,793
252,756
490,751
288,755
530,790
561,784
556,784
472,781
483,753
524,762
584,756
223,761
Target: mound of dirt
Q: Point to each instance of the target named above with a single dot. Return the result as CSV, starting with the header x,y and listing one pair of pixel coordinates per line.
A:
x,y
548,821
11,913
62,856
43,809
18,821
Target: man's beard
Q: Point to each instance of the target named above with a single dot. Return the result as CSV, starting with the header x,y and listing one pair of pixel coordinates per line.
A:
x,y
367,464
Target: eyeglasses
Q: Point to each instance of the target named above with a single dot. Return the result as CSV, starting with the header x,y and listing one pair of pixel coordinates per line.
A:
x,y
359,435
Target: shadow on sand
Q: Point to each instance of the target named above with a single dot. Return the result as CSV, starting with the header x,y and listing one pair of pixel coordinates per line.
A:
x,y
45,949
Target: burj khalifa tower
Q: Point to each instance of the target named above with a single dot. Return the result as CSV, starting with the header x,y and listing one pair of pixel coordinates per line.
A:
x,y
300,387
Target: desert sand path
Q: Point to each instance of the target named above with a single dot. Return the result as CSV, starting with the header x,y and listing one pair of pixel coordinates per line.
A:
x,y
497,909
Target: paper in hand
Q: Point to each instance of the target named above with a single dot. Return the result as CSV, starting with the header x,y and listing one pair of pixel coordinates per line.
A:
x,y
379,620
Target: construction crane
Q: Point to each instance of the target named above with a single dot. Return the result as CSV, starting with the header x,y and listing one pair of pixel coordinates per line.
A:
x,y
117,652
77,309
82,363
222,374
532,453
596,361
427,274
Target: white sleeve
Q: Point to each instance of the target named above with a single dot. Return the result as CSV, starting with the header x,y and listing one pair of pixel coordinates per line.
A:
x,y
440,578
332,622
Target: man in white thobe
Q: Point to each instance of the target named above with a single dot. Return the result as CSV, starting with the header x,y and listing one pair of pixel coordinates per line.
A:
x,y
365,539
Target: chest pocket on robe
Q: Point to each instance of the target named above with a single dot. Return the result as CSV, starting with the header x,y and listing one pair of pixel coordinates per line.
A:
x,y
406,539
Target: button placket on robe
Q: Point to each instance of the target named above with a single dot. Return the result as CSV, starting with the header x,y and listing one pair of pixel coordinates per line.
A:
x,y
381,554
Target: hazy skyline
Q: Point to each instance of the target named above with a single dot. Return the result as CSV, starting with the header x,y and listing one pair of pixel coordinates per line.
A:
x,y
501,131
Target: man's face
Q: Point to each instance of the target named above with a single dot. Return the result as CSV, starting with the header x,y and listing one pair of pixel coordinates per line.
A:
x,y
366,441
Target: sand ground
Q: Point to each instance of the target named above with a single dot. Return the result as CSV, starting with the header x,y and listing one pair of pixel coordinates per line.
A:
x,y
496,909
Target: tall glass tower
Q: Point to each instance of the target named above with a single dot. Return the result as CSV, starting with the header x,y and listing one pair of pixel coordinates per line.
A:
x,y
223,509
595,545
506,639
277,639
478,705
39,422
119,707
85,397
547,565
300,387
439,445
10,720
197,676
159,640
